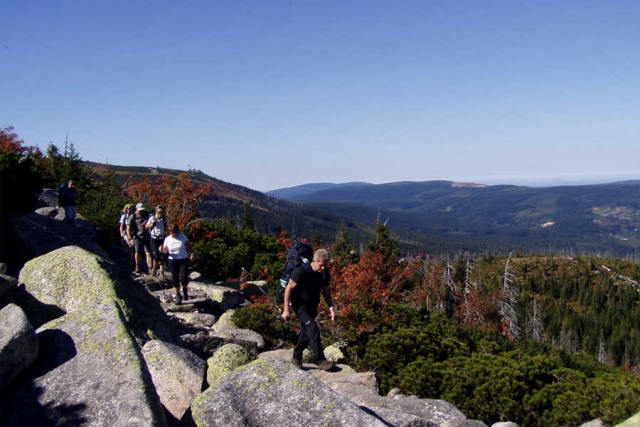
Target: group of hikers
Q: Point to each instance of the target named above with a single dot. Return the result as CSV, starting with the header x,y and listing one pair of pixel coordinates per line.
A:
x,y
150,237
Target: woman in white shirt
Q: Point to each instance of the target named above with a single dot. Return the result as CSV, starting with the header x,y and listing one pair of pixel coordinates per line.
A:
x,y
175,247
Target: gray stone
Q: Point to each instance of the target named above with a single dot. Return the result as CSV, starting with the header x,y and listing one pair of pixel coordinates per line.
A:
x,y
286,396
201,344
508,424
461,422
225,360
48,198
250,288
89,372
74,279
631,422
18,344
199,320
177,373
225,298
43,231
225,321
70,278
431,410
244,337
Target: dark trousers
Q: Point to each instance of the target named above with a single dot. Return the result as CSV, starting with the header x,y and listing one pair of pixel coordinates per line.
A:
x,y
179,272
309,334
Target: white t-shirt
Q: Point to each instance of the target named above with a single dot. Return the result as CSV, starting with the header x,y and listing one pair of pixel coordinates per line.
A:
x,y
177,246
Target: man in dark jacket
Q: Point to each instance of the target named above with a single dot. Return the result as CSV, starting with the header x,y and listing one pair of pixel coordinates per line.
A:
x,y
303,295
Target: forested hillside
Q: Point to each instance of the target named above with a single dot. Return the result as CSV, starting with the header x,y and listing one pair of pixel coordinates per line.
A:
x,y
577,303
588,219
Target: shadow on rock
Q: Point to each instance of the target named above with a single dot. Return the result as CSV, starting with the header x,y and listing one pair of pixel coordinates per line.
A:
x,y
37,312
21,405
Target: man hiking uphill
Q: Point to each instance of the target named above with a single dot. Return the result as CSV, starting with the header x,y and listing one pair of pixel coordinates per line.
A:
x,y
303,295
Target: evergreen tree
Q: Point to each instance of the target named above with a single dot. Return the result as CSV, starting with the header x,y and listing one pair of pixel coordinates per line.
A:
x,y
385,244
247,219
343,252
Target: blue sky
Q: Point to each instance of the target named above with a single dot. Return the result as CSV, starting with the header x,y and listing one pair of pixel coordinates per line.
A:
x,y
274,94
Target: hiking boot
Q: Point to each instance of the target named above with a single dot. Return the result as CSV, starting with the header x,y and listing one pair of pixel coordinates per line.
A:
x,y
177,299
325,365
185,294
296,362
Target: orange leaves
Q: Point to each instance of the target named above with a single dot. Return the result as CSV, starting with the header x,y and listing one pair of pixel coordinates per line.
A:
x,y
178,194
10,143
361,292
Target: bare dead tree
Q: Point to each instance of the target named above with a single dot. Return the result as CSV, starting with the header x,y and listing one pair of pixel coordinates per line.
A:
x,y
509,304
451,290
535,327
602,354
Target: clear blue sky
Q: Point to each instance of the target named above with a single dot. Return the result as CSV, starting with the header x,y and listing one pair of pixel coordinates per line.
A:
x,y
272,94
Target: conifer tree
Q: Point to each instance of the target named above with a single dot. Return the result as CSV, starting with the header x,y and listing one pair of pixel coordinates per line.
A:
x,y
385,244
343,252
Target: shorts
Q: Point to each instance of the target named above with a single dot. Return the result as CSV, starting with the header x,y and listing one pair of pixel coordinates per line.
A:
x,y
142,246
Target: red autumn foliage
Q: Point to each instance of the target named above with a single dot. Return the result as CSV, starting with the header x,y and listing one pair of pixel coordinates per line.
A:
x,y
10,143
362,292
178,194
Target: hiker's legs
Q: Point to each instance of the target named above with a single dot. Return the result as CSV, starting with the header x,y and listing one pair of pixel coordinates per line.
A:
x,y
139,250
184,276
70,213
155,251
309,334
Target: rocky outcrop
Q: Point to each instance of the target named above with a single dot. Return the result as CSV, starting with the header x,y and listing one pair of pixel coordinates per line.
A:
x,y
285,395
225,298
18,344
72,278
177,373
89,372
44,230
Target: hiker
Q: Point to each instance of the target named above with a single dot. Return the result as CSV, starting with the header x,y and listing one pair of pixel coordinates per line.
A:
x,y
69,198
127,210
139,235
175,247
157,226
303,295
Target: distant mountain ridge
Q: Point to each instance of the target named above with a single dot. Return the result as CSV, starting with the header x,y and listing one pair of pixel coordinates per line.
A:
x,y
306,189
438,216
582,219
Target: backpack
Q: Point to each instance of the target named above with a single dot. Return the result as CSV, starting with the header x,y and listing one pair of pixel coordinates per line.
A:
x,y
137,222
299,253
156,232
62,194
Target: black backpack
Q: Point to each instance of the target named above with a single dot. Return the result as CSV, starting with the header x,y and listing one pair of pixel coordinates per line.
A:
x,y
62,194
298,253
